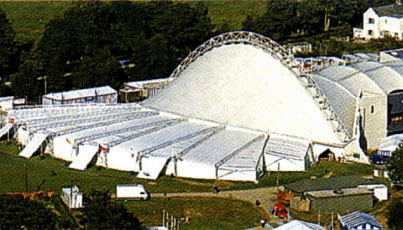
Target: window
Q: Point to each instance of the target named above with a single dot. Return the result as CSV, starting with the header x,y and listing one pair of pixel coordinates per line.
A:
x,y
371,21
396,35
386,21
370,32
372,109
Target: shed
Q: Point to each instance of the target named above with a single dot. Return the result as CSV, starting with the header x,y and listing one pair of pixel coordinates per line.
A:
x,y
138,90
103,94
72,197
359,220
6,103
300,225
353,192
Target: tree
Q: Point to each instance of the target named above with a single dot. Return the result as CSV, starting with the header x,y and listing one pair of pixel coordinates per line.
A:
x,y
101,69
182,27
101,212
25,81
81,32
90,36
7,44
395,166
395,213
5,90
278,25
17,212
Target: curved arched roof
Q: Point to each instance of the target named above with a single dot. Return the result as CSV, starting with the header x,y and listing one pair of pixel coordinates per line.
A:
x,y
246,80
343,84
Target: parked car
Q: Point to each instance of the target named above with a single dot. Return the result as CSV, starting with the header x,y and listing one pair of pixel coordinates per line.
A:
x,y
279,210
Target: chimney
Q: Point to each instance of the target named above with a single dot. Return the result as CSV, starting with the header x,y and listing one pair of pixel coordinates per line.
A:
x,y
399,2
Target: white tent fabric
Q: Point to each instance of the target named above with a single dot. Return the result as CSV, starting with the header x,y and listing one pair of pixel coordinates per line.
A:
x,y
226,83
300,225
85,155
201,161
245,165
5,129
152,167
33,145
287,153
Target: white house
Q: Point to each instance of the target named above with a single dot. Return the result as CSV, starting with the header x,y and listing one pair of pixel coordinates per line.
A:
x,y
382,21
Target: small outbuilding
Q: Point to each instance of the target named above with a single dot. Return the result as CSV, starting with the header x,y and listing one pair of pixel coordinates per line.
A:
x,y
359,220
6,103
103,94
336,194
139,90
340,200
72,197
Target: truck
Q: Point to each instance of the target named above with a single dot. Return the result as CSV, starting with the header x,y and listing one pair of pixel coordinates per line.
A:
x,y
131,192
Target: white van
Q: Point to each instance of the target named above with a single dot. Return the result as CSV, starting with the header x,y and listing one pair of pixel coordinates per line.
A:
x,y
131,192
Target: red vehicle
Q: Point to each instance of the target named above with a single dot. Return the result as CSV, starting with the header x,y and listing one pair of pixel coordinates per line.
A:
x,y
280,211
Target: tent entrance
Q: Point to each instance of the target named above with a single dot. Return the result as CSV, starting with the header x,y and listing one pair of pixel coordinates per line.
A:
x,y
84,157
152,167
33,145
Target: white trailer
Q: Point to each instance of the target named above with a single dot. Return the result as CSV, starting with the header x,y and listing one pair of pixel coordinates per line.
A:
x,y
131,192
380,190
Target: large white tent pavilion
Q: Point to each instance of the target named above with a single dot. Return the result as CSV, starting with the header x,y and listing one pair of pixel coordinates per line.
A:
x,y
235,107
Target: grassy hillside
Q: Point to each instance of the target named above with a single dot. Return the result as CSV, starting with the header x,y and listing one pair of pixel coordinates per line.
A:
x,y
230,14
29,18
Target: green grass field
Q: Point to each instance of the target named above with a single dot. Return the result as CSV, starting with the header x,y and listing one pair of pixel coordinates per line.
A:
x,y
29,18
49,173
203,213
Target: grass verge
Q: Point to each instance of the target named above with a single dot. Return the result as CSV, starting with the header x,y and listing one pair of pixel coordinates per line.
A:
x,y
203,213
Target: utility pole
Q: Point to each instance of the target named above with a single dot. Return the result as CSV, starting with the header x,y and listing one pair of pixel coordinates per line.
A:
x,y
163,217
319,218
26,177
278,174
71,193
44,78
